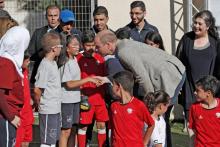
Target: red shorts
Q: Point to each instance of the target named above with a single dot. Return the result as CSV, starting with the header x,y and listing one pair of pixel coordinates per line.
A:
x,y
23,134
99,112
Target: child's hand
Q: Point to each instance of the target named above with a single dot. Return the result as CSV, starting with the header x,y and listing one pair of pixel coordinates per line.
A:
x,y
96,81
103,79
16,121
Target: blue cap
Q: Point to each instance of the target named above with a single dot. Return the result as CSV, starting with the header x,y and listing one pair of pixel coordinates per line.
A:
x,y
67,16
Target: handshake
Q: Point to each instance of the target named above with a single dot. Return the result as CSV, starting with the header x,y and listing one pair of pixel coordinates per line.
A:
x,y
98,80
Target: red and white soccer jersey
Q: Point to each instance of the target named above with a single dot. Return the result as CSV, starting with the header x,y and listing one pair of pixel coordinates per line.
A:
x,y
206,125
127,122
92,66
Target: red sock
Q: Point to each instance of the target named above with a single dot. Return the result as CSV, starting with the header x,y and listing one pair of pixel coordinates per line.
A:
x,y
101,139
81,140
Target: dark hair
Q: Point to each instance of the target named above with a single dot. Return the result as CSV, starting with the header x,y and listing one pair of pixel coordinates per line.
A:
x,y
123,33
156,38
52,7
66,39
140,4
209,83
26,54
88,36
125,79
209,19
152,99
100,10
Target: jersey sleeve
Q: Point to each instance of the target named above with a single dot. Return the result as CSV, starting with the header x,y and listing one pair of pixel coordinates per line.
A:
x,y
42,77
145,114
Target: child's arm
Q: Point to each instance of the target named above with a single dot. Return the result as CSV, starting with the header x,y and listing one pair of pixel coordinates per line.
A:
x,y
15,120
150,123
158,145
4,106
190,126
78,83
147,134
191,136
37,95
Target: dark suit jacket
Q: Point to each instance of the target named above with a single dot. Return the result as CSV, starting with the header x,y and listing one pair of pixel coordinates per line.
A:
x,y
35,48
184,50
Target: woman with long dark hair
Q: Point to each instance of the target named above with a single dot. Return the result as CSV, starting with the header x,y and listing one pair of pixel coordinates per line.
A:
x,y
198,52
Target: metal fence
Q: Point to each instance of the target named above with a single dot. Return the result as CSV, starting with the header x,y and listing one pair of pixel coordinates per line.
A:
x,y
31,13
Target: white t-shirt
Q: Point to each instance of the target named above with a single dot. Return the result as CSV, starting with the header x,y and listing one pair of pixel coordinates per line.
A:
x,y
48,78
159,133
70,72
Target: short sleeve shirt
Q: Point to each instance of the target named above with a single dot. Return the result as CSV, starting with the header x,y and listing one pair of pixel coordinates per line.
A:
x,y
70,72
127,123
206,123
92,66
48,79
159,133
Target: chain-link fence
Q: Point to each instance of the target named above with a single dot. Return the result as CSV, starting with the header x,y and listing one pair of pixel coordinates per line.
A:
x,y
31,13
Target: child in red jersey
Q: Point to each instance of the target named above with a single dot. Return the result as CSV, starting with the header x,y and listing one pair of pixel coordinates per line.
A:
x,y
92,64
24,131
204,118
12,46
128,115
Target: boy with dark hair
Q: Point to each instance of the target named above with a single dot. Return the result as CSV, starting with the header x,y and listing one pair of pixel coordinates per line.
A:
x,y
128,115
48,91
100,17
92,64
204,117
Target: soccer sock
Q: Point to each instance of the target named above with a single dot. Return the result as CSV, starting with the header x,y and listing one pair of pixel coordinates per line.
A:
x,y
81,138
101,137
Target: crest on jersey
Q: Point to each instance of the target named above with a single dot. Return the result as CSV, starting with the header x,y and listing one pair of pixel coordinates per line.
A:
x,y
129,110
217,114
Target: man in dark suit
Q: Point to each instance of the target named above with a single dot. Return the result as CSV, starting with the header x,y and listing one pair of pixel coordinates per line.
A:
x,y
35,47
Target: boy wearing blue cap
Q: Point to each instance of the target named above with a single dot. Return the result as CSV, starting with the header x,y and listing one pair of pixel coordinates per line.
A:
x,y
67,20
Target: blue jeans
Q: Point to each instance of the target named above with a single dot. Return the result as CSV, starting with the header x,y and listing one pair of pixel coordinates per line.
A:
x,y
178,88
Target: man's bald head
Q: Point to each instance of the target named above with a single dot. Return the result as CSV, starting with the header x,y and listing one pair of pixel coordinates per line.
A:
x,y
106,36
106,42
